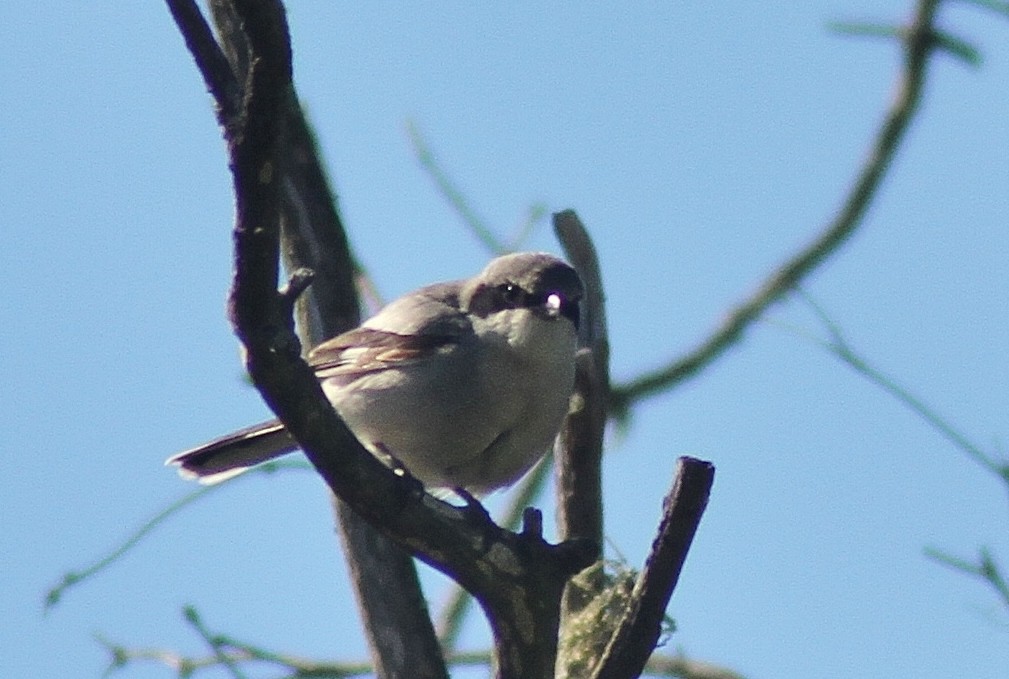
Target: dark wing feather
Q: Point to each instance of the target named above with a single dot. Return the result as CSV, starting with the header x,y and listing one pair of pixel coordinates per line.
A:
x,y
365,350
407,330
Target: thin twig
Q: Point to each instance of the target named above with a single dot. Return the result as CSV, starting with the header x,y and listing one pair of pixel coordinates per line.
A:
x,y
451,193
918,45
985,569
234,653
839,347
534,214
213,641
74,578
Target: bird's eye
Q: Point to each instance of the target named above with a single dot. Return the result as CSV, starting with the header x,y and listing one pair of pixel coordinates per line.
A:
x,y
513,295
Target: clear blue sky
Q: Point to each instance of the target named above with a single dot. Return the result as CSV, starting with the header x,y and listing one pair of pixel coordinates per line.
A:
x,y
702,145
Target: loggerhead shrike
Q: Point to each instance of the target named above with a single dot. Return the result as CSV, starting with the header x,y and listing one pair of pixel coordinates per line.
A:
x,y
464,383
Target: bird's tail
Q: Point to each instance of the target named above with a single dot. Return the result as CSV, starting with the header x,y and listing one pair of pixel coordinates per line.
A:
x,y
232,454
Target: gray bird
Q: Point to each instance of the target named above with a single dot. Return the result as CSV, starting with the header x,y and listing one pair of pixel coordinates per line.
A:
x,y
464,383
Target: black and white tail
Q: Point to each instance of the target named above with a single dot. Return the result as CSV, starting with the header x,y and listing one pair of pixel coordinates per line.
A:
x,y
232,454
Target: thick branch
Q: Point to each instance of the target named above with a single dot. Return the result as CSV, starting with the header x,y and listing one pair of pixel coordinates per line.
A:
x,y
579,447
393,608
518,579
255,150
581,252
453,612
919,42
313,235
213,65
578,452
392,605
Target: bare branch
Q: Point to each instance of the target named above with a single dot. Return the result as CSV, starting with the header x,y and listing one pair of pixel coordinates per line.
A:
x,y
313,236
213,65
986,569
518,579
393,608
579,451
838,346
579,447
454,611
215,642
455,197
635,638
74,578
997,6
231,652
451,193
581,252
919,43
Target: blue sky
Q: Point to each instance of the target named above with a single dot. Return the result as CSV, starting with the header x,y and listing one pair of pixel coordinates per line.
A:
x,y
701,145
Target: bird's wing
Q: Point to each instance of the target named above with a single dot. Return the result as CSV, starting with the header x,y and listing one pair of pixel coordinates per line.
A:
x,y
407,330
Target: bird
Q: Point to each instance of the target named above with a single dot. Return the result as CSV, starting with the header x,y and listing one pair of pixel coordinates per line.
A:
x,y
464,384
